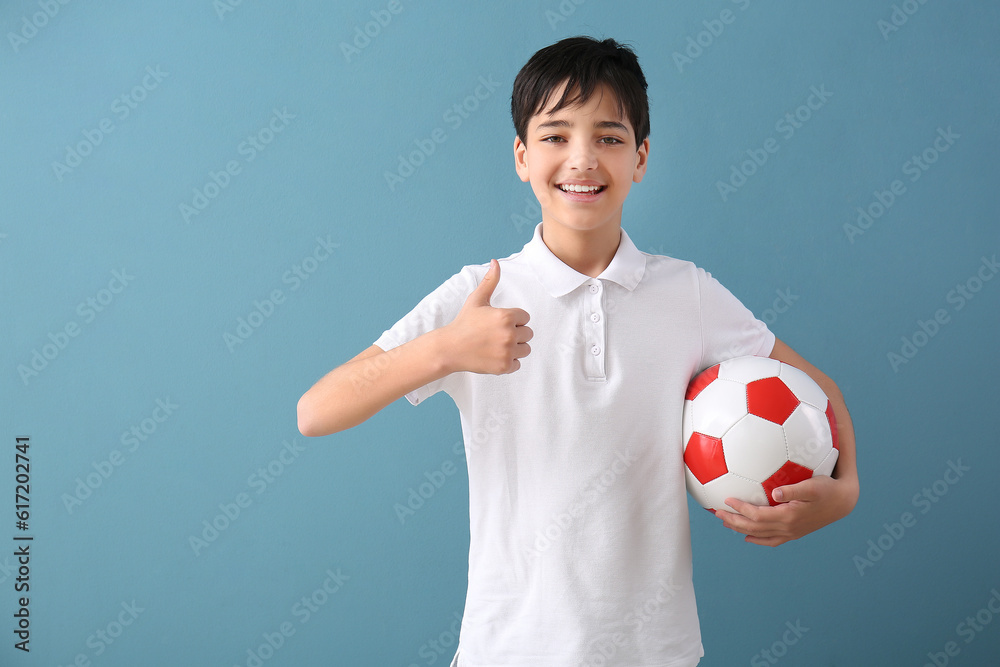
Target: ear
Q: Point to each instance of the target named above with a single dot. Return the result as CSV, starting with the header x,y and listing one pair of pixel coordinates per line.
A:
x,y
521,159
641,158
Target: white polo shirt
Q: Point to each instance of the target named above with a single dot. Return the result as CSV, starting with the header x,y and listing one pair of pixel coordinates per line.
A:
x,y
580,548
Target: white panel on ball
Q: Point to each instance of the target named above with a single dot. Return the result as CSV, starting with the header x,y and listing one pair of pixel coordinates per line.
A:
x,y
728,404
755,448
803,386
828,464
807,436
732,486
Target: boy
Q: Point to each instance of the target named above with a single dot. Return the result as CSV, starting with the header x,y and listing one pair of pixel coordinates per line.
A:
x,y
579,522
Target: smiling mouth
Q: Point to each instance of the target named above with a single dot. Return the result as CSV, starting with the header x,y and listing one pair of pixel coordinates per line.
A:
x,y
583,189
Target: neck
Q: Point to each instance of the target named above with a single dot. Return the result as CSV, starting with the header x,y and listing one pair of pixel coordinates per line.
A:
x,y
588,252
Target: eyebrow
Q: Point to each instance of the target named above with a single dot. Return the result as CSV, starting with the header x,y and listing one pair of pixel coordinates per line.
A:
x,y
603,125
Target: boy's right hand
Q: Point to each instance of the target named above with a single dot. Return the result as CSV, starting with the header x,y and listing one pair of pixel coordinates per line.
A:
x,y
484,339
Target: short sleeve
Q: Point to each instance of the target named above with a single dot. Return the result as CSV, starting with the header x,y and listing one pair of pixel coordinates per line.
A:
x,y
728,328
434,311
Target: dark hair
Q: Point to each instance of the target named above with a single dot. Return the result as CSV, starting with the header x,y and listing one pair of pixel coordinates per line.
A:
x,y
584,64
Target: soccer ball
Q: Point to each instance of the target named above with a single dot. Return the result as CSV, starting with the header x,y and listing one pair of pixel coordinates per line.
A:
x,y
752,424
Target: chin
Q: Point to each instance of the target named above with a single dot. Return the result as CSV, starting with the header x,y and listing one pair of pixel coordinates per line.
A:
x,y
583,224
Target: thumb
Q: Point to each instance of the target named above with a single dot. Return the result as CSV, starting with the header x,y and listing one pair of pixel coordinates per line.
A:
x,y
482,294
804,490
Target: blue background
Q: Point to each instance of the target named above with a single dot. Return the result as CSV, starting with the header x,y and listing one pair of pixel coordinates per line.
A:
x,y
346,119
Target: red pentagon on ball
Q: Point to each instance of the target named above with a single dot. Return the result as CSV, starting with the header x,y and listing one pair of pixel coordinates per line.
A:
x,y
771,399
790,473
833,424
704,457
704,379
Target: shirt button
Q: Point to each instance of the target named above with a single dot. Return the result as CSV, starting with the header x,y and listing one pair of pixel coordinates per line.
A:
x,y
596,350
595,317
594,289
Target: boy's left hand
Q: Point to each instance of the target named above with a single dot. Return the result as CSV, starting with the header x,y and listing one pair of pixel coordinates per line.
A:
x,y
804,507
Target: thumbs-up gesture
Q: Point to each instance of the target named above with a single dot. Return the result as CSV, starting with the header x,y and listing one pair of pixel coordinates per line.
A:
x,y
484,339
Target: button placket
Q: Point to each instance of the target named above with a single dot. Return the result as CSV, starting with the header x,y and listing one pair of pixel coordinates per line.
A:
x,y
594,323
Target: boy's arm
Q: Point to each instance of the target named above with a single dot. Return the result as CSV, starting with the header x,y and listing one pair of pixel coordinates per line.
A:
x,y
356,390
481,339
814,503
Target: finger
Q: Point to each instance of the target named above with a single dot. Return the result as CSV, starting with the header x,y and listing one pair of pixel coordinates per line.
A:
x,y
743,508
804,490
750,519
741,524
484,291
766,541
519,316
521,350
523,334
737,522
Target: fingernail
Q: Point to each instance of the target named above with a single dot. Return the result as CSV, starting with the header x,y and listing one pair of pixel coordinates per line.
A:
x,y
777,495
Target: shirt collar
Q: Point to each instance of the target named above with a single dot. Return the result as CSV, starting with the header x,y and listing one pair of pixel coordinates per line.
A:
x,y
626,267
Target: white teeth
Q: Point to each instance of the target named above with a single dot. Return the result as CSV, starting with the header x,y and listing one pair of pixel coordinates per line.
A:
x,y
580,188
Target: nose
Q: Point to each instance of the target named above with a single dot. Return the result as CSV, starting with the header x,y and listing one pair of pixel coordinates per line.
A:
x,y
582,156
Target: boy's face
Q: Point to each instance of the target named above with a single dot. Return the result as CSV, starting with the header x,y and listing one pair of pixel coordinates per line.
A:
x,y
586,145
